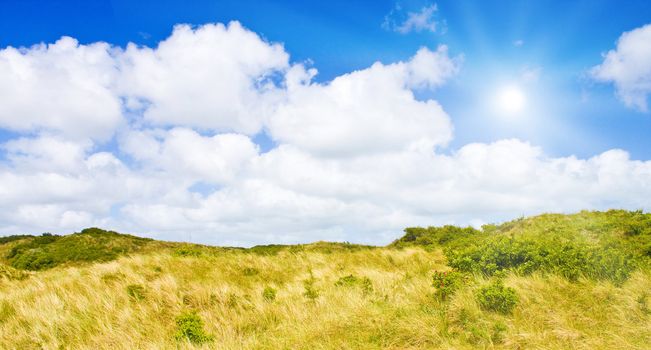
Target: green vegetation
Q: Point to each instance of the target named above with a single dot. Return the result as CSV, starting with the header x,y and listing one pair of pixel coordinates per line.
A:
x,y
190,327
269,294
551,281
448,282
598,245
311,292
351,281
496,297
90,245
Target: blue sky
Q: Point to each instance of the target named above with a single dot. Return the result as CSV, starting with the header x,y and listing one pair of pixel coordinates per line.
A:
x,y
479,111
564,39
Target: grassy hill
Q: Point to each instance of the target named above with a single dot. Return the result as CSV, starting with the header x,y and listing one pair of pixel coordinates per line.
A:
x,y
547,282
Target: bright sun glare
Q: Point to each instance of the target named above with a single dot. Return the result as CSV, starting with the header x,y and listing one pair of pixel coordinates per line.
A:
x,y
511,99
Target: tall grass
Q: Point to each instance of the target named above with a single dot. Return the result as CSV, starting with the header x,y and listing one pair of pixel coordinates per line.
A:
x,y
329,296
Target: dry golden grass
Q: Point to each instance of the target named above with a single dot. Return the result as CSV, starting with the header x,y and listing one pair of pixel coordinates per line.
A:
x,y
89,307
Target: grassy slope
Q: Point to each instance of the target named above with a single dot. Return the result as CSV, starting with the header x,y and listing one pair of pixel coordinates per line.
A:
x,y
89,305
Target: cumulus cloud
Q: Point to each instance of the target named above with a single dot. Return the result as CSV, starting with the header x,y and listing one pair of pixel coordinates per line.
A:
x,y
62,87
356,158
372,110
214,77
185,154
628,67
416,21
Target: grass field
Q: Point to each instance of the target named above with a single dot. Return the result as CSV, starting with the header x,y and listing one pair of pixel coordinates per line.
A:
x,y
552,284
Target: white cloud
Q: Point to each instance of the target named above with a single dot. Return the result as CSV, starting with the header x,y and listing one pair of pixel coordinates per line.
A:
x,y
213,77
185,154
628,67
422,20
358,158
63,87
372,110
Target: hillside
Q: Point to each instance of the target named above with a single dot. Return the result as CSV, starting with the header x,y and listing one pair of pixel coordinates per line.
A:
x,y
546,282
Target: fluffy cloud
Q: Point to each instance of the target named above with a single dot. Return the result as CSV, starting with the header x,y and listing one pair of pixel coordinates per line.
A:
x,y
357,158
63,87
629,67
213,77
368,111
185,154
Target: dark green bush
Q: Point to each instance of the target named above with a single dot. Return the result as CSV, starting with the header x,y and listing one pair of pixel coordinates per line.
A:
x,y
190,326
496,297
447,283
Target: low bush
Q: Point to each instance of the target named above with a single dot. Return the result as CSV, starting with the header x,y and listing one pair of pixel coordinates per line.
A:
x,y
363,283
447,283
569,258
190,326
496,297
444,236
269,294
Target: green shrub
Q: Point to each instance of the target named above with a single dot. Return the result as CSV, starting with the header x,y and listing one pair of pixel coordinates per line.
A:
x,y
445,236
447,283
90,245
190,326
496,297
363,283
269,294
571,259
136,292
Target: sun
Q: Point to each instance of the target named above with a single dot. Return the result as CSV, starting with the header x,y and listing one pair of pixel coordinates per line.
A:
x,y
511,99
